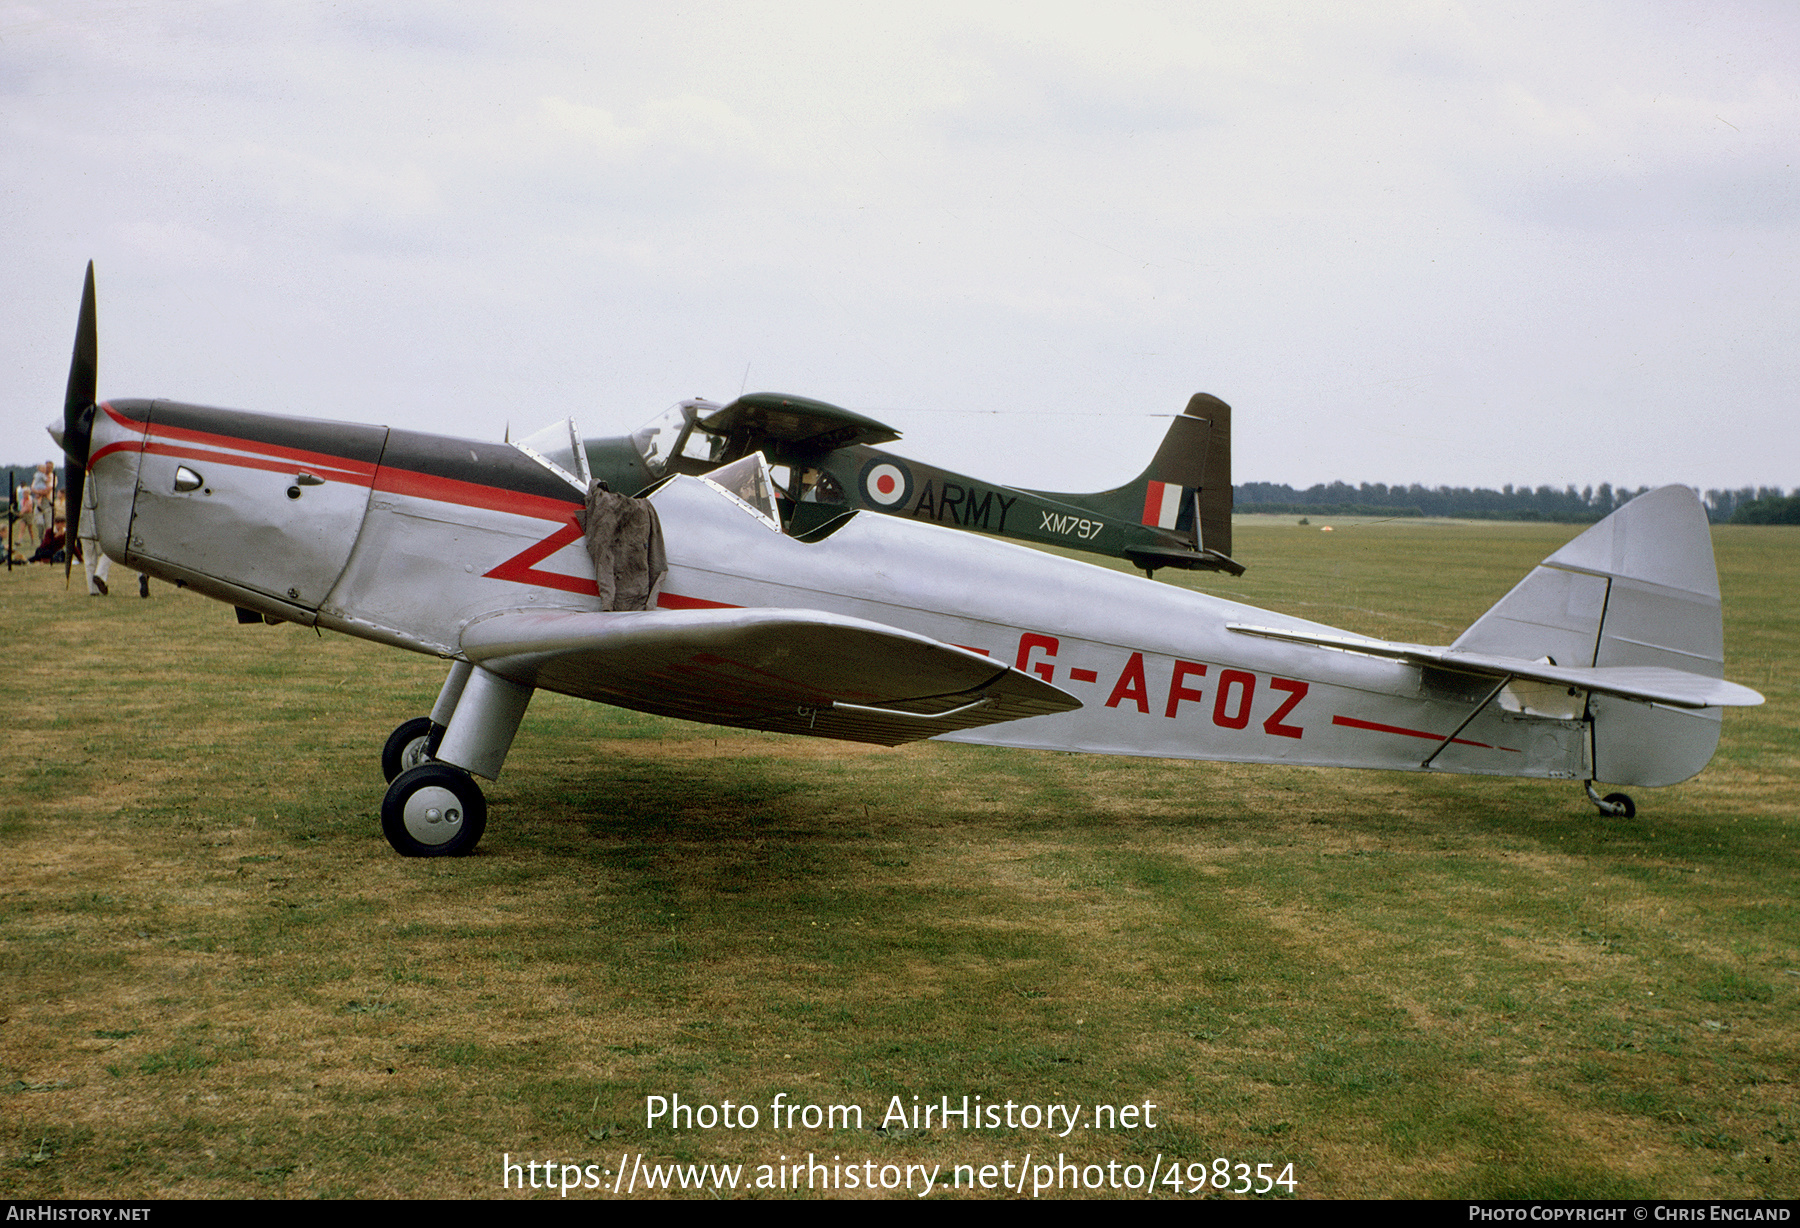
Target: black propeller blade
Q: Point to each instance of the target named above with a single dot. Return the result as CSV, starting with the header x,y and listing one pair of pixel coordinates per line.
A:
x,y
78,419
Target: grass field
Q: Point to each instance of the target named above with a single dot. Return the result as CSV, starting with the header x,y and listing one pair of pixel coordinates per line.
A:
x,y
221,982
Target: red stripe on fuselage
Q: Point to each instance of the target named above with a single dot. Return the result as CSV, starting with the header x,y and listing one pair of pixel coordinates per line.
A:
x,y
130,445
675,601
1353,723
349,470
471,494
385,478
241,461
521,568
127,445
130,424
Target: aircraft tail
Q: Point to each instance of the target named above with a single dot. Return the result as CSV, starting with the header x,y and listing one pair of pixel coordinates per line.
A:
x,y
1194,460
1617,635
1181,504
1187,488
1638,591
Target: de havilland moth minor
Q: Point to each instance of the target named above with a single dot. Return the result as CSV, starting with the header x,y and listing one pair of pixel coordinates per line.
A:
x,y
521,572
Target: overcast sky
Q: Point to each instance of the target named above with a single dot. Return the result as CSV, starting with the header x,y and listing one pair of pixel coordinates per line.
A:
x,y
1444,243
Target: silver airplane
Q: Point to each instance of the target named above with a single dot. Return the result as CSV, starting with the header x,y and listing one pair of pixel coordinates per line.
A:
x,y
508,563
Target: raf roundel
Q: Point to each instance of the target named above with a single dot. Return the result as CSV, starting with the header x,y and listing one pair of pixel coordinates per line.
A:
x,y
885,483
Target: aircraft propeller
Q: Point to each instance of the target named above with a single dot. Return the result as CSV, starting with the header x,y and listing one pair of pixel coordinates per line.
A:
x,y
78,419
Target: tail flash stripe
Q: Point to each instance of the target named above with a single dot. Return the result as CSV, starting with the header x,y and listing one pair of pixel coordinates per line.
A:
x,y
1162,504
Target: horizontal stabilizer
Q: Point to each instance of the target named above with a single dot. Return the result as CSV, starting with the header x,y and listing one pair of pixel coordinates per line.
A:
x,y
1655,683
1152,557
792,671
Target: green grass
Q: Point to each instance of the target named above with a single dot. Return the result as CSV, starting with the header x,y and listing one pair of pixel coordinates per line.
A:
x,y
222,982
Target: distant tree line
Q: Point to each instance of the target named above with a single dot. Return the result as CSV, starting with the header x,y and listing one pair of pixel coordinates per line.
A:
x,y
1768,507
1567,506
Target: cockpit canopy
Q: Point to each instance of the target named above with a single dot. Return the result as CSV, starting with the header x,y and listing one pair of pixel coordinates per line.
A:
x,y
749,484
675,432
558,448
804,500
696,435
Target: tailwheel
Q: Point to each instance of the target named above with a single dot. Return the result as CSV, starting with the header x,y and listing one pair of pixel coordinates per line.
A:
x,y
433,810
412,744
1613,805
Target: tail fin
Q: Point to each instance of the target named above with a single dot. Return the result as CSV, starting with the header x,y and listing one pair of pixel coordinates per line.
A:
x,y
1178,511
1639,589
1195,456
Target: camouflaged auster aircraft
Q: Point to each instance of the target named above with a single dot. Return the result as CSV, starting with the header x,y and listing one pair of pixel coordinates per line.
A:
x,y
1176,514
1606,662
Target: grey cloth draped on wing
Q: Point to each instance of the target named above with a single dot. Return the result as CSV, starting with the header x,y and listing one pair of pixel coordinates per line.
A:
x,y
624,538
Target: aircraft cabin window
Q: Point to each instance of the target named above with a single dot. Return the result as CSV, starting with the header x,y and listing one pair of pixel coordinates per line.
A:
x,y
750,485
817,486
558,448
703,446
659,439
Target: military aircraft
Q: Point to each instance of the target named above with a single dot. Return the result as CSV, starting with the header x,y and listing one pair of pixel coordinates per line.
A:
x,y
1606,662
1177,513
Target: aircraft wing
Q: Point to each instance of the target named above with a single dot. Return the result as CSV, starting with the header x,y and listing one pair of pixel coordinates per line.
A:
x,y
1655,683
792,671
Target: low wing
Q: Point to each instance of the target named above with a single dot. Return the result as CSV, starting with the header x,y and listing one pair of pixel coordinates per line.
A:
x,y
792,671
1658,684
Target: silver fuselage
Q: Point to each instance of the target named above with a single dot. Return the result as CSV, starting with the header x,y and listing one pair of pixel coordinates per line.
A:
x,y
411,539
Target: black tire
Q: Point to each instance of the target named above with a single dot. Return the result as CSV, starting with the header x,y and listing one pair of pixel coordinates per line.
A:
x,y
433,810
409,746
1627,808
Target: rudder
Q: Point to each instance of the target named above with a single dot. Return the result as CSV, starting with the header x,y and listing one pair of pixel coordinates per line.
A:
x,y
1195,456
1215,477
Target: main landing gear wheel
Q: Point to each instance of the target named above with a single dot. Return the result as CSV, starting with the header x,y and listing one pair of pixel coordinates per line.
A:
x,y
1613,805
433,810
409,746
